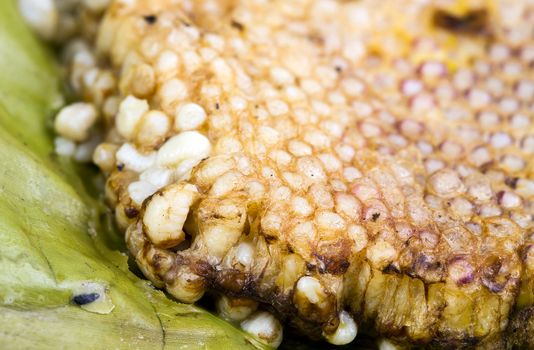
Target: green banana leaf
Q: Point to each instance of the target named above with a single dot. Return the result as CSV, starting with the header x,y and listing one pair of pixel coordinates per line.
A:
x,y
55,238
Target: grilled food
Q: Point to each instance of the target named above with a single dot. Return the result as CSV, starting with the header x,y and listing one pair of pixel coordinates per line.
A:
x,y
336,164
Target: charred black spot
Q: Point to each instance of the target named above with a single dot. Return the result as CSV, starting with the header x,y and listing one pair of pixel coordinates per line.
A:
x,y
375,216
511,182
83,299
310,266
131,212
120,167
270,239
237,25
332,264
332,256
474,22
338,69
485,167
150,19
391,269
232,280
217,106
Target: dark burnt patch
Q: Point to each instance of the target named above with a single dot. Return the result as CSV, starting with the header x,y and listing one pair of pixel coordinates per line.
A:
x,y
233,281
150,19
269,239
473,22
333,256
332,264
310,267
237,25
511,182
375,217
391,269
131,212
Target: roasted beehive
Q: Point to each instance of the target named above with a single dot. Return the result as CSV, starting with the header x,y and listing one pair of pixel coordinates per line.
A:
x,y
337,164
